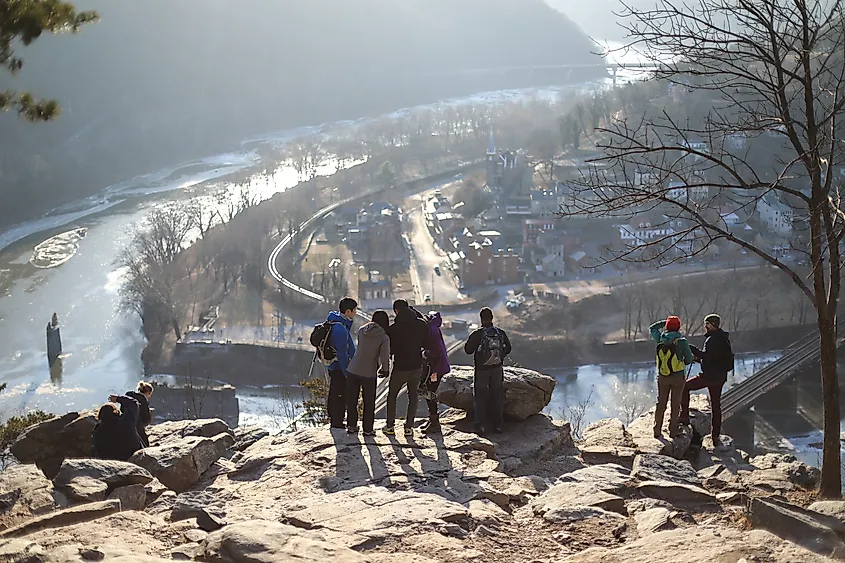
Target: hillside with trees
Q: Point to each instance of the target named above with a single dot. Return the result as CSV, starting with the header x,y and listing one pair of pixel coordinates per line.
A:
x,y
156,83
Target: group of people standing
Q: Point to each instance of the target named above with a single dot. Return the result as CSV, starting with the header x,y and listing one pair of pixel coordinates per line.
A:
x,y
120,432
674,354
411,352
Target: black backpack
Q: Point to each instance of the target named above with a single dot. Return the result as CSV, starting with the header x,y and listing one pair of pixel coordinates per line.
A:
x,y
321,340
491,349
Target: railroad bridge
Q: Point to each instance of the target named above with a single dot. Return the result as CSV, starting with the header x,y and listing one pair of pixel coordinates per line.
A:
x,y
777,389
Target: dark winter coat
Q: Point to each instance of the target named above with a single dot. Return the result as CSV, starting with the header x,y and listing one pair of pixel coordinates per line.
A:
x,y
341,340
145,415
408,335
116,434
474,341
372,356
716,356
435,347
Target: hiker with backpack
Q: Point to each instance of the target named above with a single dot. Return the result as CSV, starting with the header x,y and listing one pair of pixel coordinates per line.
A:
x,y
673,355
372,358
717,359
408,335
436,365
335,349
489,345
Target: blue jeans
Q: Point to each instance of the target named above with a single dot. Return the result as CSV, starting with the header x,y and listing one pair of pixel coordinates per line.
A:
x,y
489,396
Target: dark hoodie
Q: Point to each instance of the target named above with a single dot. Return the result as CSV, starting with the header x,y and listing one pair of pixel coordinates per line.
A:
x,y
408,335
372,356
716,356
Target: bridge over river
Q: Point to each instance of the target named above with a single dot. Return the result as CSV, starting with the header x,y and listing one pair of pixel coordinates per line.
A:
x,y
783,387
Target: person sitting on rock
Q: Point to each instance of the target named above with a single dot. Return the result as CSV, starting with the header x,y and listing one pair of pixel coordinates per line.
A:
x,y
372,359
145,416
116,434
489,346
673,354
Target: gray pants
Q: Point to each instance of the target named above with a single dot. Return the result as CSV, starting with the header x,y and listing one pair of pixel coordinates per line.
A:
x,y
397,379
669,386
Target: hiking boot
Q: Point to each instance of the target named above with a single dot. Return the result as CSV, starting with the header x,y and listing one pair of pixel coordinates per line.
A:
x,y
389,430
409,431
658,434
480,430
432,428
352,430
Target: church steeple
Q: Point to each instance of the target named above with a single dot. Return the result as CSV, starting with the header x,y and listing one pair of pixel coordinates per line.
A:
x,y
491,147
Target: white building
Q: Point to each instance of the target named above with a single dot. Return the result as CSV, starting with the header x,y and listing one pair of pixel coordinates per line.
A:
x,y
775,215
641,233
682,193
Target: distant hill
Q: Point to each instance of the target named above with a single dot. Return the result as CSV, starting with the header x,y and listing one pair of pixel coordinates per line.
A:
x,y
157,82
597,18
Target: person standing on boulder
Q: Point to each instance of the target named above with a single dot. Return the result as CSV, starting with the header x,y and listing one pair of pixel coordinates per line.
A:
x,y
489,346
145,415
408,335
436,366
344,347
717,359
673,354
372,359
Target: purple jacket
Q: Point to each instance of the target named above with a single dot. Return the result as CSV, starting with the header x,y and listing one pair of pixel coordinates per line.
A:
x,y
435,347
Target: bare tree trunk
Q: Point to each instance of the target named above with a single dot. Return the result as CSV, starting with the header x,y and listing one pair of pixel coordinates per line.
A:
x,y
831,481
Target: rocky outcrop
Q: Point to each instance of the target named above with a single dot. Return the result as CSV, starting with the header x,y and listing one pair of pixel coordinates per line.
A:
x,y
168,432
49,443
179,463
526,392
259,540
817,532
25,492
91,480
521,496
607,441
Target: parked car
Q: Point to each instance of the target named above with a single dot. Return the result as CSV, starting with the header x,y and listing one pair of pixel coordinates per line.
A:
x,y
437,270
427,298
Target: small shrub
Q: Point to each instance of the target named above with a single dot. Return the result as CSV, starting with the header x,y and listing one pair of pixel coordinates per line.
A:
x,y
315,407
16,425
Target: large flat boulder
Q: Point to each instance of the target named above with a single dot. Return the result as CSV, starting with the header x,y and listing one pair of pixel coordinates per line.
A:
x,y
49,443
260,541
527,392
650,467
607,441
568,502
365,515
608,477
816,532
179,463
66,517
676,493
699,545
26,492
834,508
166,432
793,470
653,520
92,479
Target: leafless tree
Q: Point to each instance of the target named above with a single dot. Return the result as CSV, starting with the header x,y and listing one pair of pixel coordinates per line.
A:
x,y
152,268
771,73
